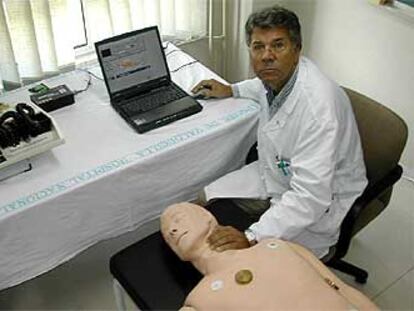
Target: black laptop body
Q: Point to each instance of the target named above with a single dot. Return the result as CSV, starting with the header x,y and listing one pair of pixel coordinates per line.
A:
x,y
138,80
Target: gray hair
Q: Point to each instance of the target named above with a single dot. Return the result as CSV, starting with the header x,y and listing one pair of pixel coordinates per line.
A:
x,y
275,17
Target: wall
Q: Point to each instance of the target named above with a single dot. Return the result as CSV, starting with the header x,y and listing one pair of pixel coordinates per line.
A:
x,y
364,47
369,49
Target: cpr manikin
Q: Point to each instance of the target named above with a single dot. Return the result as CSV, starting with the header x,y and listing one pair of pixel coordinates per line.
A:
x,y
271,275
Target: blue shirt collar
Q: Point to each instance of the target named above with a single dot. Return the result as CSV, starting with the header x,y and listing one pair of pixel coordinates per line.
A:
x,y
276,100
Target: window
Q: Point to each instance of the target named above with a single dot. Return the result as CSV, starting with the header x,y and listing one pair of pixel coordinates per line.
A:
x,y
179,19
40,38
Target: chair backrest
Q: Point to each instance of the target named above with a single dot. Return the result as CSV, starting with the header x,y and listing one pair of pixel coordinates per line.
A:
x,y
383,135
383,138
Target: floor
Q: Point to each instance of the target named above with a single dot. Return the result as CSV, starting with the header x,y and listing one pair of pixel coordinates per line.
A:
x,y
385,248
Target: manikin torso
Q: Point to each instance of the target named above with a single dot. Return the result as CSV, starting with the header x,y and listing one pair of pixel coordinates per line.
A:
x,y
282,279
272,275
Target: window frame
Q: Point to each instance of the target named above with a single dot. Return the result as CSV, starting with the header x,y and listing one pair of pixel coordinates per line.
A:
x,y
396,7
85,31
401,2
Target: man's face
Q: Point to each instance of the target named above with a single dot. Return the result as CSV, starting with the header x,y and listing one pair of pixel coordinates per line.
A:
x,y
273,56
185,229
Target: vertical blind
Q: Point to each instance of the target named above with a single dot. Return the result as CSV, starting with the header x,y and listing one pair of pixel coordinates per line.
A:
x,y
37,37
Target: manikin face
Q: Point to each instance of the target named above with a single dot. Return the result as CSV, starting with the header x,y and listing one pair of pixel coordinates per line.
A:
x,y
185,227
273,56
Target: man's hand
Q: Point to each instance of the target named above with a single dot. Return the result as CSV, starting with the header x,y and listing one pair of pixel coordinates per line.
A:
x,y
227,237
212,88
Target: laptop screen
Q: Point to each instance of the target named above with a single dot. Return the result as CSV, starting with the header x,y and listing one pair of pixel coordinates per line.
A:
x,y
132,59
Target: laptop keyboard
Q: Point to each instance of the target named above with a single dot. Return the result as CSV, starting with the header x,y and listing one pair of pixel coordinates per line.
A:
x,y
152,101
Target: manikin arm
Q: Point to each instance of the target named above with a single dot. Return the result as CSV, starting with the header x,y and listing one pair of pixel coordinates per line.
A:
x,y
351,294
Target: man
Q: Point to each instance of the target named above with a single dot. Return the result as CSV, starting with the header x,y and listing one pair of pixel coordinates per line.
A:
x,y
310,168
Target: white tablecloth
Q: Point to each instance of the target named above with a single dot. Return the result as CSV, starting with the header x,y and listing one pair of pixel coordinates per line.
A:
x,y
107,179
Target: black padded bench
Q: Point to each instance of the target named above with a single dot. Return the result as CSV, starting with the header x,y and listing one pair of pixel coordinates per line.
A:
x,y
153,276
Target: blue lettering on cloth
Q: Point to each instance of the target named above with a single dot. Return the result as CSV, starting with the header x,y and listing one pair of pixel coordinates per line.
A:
x,y
95,173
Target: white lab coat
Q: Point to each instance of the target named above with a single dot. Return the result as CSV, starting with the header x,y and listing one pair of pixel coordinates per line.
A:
x,y
315,132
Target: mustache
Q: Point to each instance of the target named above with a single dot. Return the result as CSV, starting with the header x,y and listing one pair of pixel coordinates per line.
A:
x,y
269,68
269,65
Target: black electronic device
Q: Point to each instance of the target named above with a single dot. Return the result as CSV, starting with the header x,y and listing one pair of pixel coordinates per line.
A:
x,y
54,98
201,96
139,82
25,131
22,124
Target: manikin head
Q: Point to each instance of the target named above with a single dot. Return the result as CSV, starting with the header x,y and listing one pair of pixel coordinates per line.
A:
x,y
185,227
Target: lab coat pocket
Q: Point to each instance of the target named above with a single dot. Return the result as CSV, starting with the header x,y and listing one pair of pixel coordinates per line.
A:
x,y
281,171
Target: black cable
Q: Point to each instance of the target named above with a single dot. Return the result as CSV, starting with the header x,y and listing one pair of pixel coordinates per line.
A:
x,y
88,84
12,138
4,138
185,65
173,51
94,75
91,74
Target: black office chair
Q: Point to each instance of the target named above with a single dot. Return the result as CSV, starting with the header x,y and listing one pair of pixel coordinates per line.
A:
x,y
383,137
153,276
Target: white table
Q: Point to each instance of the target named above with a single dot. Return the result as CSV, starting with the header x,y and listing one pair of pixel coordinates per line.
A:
x,y
107,179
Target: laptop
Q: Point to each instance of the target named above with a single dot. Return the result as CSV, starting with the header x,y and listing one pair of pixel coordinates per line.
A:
x,y
138,80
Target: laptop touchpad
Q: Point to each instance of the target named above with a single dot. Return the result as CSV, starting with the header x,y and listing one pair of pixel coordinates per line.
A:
x,y
168,110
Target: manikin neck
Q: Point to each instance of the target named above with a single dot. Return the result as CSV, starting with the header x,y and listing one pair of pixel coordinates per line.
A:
x,y
209,261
